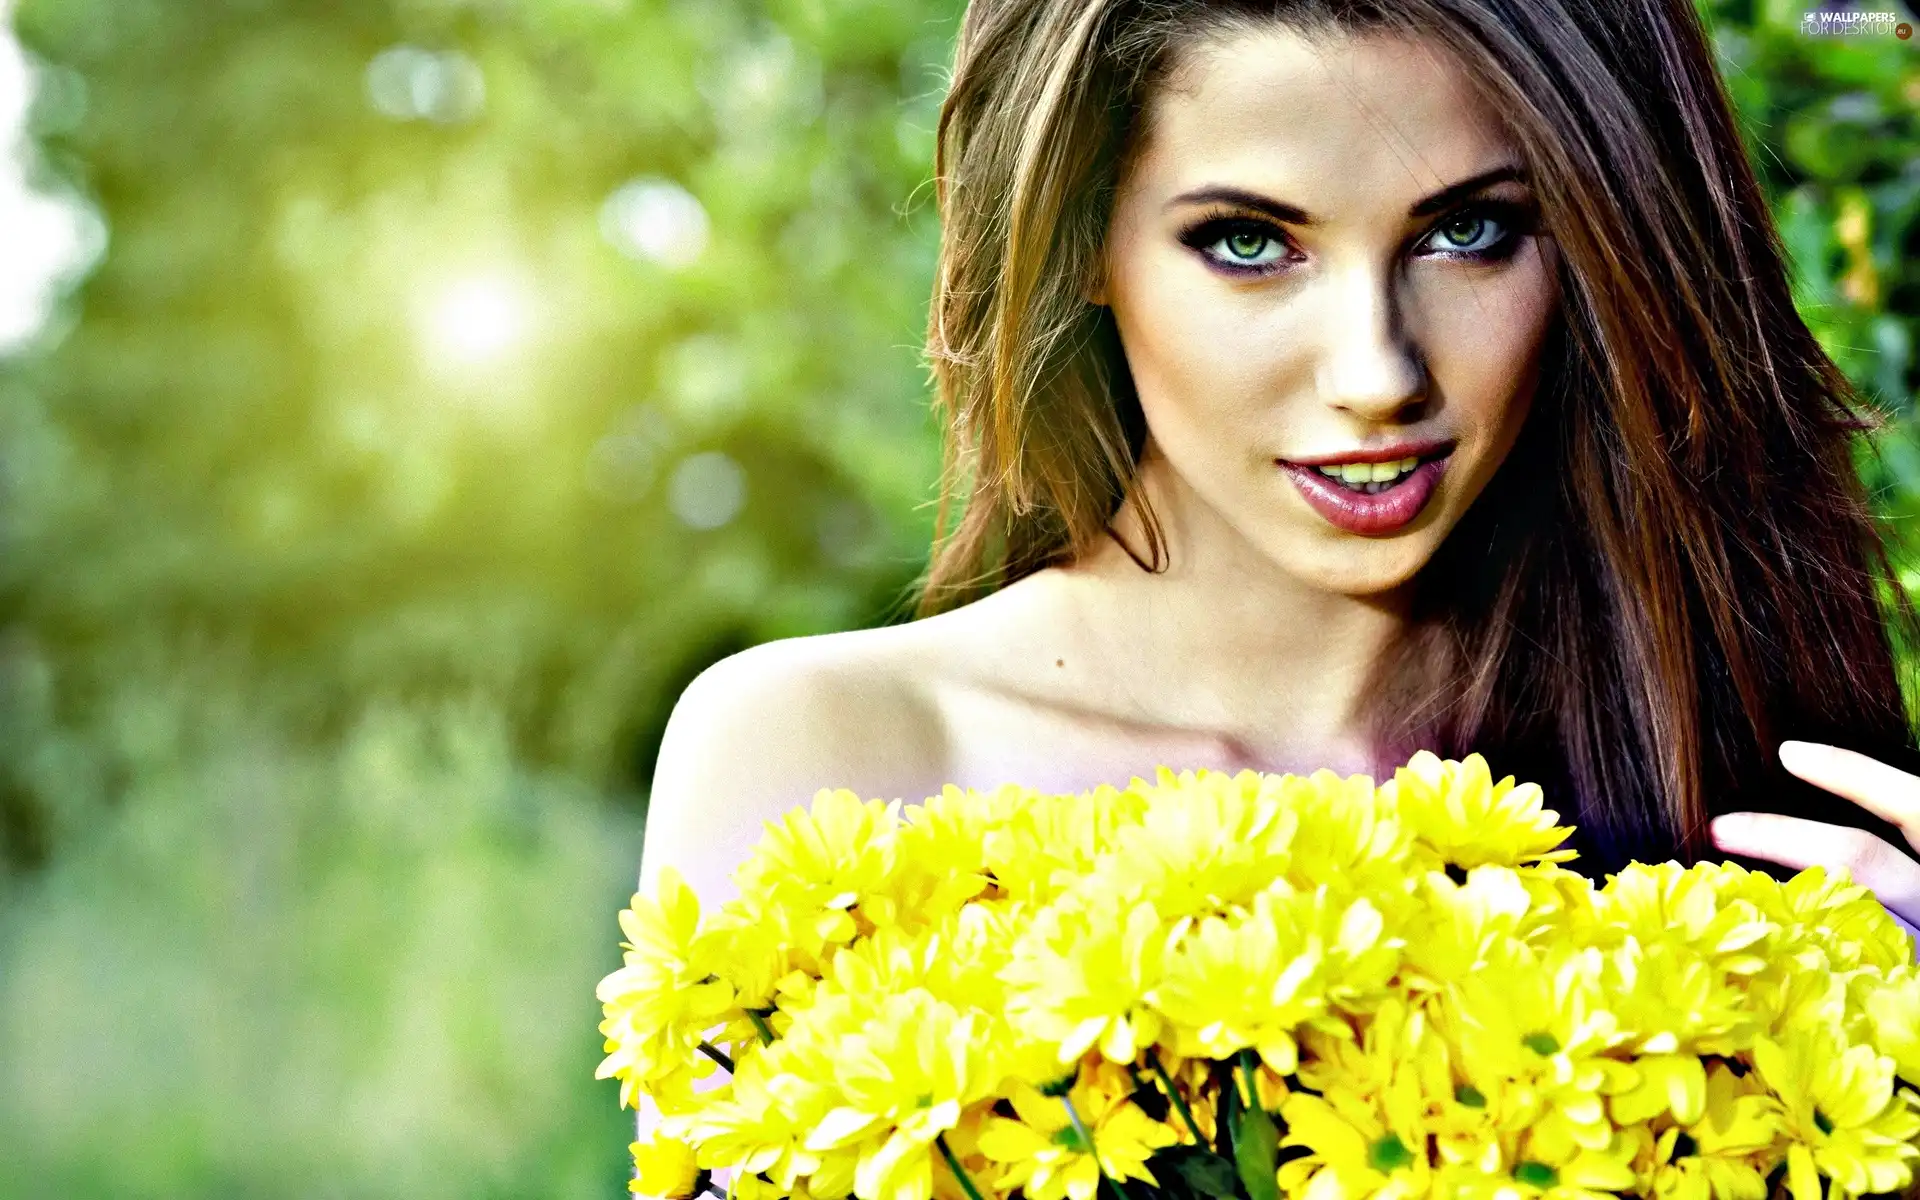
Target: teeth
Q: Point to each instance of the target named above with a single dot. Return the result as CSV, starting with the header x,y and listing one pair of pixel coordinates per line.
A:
x,y
1357,473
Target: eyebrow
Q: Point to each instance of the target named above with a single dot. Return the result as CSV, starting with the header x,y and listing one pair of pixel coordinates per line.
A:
x,y
1293,214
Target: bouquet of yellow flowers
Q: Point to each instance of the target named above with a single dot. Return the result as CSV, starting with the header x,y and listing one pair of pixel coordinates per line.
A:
x,y
1257,986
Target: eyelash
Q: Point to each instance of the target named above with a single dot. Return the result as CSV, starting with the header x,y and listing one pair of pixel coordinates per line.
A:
x,y
1218,225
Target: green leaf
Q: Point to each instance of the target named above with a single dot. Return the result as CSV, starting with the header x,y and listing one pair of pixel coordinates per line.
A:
x,y
1256,1150
1205,1172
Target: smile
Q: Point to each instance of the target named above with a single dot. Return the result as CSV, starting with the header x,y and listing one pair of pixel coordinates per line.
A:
x,y
1371,478
1369,498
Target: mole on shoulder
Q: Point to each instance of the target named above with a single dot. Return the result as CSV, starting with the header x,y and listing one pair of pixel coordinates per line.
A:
x,y
1059,662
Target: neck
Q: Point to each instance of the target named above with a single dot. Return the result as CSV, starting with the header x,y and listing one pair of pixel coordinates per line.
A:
x,y
1227,640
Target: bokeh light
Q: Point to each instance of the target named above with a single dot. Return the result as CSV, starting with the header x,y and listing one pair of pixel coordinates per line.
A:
x,y
707,490
409,83
623,464
46,240
478,321
656,220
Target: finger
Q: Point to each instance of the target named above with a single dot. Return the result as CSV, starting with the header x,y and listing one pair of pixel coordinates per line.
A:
x,y
1875,863
1907,927
1884,791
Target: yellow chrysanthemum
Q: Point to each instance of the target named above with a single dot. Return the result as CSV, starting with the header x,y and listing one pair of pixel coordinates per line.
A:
x,y
1250,979
1081,974
1723,1154
813,867
1512,1033
1678,1004
1401,1072
1052,841
1892,1009
1459,813
892,1073
1454,924
1673,1084
1680,951
1800,992
1206,842
1351,836
1389,1038
1694,906
753,1187
1543,1019
1047,1158
943,855
1827,911
1371,1145
660,1002
747,1130
1841,1112
664,1168
1466,1123
960,962
1564,1172
1195,1079
754,959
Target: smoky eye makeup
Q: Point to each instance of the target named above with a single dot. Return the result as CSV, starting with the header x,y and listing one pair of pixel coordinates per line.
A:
x,y
1234,242
1485,230
1239,242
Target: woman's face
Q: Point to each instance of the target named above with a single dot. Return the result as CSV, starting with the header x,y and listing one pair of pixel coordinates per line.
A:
x,y
1323,249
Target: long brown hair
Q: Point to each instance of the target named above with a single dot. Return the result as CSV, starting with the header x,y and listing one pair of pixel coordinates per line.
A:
x,y
1677,565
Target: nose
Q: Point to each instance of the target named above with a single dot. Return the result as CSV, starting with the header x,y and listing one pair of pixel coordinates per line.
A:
x,y
1370,366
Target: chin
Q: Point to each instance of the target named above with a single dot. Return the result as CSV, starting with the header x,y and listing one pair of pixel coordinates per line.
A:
x,y
1360,590
1370,570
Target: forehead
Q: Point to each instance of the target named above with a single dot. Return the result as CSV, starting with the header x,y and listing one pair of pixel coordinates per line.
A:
x,y
1323,120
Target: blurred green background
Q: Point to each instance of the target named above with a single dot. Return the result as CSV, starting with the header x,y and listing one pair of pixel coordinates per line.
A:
x,y
421,393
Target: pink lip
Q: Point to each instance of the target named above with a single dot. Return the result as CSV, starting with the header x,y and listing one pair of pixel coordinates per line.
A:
x,y
1357,512
1393,453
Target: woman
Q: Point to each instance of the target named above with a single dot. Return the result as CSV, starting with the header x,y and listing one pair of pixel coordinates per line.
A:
x,y
1197,250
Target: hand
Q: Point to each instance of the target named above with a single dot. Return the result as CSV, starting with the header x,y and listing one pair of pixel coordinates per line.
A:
x,y
1878,865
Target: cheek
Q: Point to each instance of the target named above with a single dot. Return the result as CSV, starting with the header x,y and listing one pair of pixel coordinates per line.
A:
x,y
1484,343
1198,358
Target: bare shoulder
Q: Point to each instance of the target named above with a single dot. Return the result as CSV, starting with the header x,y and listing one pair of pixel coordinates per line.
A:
x,y
877,711
760,732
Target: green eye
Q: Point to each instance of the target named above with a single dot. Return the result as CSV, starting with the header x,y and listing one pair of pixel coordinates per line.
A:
x,y
1237,244
1469,231
1245,244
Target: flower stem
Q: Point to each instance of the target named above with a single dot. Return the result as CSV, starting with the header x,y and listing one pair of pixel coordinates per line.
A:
x,y
959,1172
1179,1103
718,1055
1086,1139
760,1025
1226,1120
1079,1127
